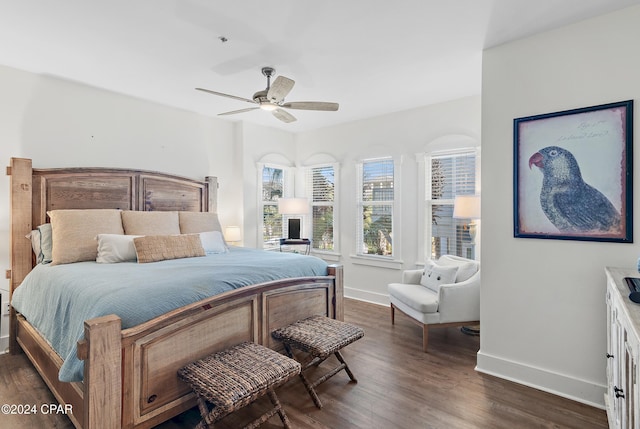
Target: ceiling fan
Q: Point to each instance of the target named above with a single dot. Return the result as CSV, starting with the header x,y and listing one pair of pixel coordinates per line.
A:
x,y
272,98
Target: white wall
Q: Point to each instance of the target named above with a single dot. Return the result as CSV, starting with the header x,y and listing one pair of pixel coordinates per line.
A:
x,y
59,123
542,301
401,135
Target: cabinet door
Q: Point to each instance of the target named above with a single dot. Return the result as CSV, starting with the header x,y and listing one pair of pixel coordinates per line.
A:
x,y
630,382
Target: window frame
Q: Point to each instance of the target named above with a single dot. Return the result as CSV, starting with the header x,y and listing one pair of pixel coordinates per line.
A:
x,y
309,225
426,207
359,257
287,191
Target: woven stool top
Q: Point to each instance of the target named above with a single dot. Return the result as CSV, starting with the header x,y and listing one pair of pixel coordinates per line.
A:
x,y
319,335
238,375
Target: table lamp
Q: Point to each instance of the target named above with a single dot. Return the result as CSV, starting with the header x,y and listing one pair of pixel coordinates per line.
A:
x,y
233,234
467,207
293,206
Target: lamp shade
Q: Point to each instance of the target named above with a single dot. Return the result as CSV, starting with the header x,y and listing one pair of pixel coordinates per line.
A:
x,y
466,207
233,233
293,206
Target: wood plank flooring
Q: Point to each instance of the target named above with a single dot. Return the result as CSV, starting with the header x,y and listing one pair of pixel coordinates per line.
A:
x,y
398,387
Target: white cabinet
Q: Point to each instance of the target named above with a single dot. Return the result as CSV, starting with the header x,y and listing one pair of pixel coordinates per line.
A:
x,y
623,349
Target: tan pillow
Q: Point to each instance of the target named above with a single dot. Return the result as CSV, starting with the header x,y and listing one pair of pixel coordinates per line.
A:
x,y
74,233
150,223
153,248
194,222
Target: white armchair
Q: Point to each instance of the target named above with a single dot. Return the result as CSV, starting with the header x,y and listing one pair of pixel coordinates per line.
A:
x,y
445,293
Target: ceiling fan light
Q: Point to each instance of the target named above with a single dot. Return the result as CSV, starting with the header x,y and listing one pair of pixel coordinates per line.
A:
x,y
270,107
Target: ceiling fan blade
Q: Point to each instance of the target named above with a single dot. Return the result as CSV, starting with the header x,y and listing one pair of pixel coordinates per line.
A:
x,y
226,95
280,88
284,116
233,112
311,105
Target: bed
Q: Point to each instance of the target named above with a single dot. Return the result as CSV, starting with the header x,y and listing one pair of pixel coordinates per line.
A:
x,y
129,373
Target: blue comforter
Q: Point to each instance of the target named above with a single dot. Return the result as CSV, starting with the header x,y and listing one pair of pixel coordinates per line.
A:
x,y
57,299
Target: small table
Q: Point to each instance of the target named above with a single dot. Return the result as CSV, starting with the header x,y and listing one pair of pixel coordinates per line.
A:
x,y
296,242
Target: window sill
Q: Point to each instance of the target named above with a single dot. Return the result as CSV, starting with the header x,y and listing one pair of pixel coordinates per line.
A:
x,y
377,261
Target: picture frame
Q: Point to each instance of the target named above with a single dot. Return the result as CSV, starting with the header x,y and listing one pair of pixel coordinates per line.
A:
x,y
573,174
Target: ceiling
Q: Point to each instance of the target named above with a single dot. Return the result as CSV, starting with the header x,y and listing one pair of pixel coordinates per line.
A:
x,y
371,56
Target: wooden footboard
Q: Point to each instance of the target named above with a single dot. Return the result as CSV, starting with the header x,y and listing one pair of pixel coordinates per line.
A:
x,y
130,376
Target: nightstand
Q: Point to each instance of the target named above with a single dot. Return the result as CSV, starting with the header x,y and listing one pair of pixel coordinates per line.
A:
x,y
296,242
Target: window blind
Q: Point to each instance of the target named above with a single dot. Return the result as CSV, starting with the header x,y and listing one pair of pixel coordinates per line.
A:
x,y
450,175
321,185
375,202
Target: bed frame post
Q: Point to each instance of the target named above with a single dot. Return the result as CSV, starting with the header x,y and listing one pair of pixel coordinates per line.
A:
x,y
213,194
102,353
337,272
20,171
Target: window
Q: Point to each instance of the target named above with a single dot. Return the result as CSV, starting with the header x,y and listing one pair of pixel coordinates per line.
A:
x,y
321,188
375,200
273,187
448,175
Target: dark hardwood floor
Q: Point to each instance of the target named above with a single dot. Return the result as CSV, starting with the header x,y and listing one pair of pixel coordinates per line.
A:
x,y
398,387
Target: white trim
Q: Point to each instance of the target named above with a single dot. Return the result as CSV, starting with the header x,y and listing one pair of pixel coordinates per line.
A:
x,y
367,296
584,391
4,345
377,261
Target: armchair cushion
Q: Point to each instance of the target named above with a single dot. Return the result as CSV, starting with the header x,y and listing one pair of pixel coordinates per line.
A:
x,y
435,275
417,297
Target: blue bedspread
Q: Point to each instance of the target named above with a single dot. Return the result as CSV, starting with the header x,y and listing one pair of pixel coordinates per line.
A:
x,y
57,299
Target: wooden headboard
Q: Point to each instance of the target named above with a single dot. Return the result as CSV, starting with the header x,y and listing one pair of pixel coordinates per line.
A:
x,y
36,191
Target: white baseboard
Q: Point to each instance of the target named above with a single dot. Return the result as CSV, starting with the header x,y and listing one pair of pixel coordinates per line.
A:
x,y
4,345
368,296
572,388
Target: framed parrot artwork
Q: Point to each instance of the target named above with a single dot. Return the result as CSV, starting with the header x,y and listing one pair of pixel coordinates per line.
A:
x,y
573,174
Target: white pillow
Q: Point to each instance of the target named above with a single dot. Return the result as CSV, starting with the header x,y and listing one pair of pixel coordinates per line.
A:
x,y
212,242
466,269
41,243
435,275
116,248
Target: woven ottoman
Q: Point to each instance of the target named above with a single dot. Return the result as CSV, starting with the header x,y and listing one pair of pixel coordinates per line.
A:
x,y
234,378
320,337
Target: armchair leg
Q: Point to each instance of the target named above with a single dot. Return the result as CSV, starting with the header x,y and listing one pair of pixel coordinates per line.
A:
x,y
425,337
393,314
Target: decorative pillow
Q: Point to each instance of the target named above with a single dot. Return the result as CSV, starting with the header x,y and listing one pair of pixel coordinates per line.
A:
x,y
150,223
115,248
153,248
435,275
212,242
465,269
41,243
194,222
46,242
74,233
34,237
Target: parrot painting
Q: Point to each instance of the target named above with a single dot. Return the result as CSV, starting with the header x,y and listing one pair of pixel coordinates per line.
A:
x,y
572,205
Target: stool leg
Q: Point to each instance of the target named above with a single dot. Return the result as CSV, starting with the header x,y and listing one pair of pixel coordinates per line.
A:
x,y
346,367
306,383
207,421
281,413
